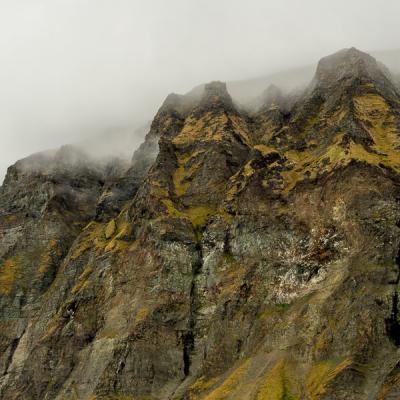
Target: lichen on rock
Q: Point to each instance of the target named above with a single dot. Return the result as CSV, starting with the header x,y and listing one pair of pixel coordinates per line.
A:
x,y
242,254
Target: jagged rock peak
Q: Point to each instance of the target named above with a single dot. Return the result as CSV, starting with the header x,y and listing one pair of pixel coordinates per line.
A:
x,y
173,102
68,159
271,96
66,155
209,96
216,94
345,64
216,88
70,155
178,103
272,92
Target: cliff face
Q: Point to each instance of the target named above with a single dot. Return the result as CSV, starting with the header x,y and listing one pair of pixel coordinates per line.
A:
x,y
241,255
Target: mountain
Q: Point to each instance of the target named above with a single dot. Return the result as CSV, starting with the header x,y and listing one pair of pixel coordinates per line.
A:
x,y
242,253
298,78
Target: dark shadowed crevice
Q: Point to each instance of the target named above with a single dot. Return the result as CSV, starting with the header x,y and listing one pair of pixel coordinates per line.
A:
x,y
188,338
13,347
392,323
188,346
397,260
396,280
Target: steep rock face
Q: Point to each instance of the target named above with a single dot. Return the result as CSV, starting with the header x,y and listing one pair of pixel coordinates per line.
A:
x,y
240,256
45,202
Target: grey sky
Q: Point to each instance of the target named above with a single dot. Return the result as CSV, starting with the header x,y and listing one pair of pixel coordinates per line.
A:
x,y
72,68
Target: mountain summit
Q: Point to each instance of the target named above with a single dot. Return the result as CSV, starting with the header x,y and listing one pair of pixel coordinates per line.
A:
x,y
347,64
243,254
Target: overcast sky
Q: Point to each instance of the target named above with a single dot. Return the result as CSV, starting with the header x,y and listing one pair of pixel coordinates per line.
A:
x,y
72,68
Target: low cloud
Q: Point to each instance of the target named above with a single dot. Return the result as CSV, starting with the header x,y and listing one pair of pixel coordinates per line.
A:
x,y
74,70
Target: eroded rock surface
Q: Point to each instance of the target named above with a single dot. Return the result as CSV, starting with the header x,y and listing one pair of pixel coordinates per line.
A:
x,y
241,255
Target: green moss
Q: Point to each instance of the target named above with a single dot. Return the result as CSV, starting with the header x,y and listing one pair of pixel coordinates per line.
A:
x,y
124,229
382,126
377,119
9,273
248,169
198,216
202,384
82,280
183,172
93,233
276,385
110,229
157,190
52,327
230,384
282,307
210,127
46,256
321,374
265,149
286,395
142,314
100,237
239,181
119,397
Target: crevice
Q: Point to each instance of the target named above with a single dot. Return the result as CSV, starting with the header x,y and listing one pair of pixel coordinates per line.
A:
x,y
239,345
13,347
392,323
188,337
188,346
397,261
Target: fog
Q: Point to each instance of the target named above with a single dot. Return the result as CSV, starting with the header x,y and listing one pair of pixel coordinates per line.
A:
x,y
97,70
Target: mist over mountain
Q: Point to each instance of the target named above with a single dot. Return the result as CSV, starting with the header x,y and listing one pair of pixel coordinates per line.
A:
x,y
243,252
201,200
76,69
121,142
297,78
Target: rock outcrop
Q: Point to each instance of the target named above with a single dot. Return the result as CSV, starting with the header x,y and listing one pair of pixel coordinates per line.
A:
x,y
241,255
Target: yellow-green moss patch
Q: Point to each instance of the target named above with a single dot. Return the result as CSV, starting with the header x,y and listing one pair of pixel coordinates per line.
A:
x,y
9,273
111,227
141,314
45,258
230,384
183,172
265,149
321,374
102,238
82,280
276,385
198,216
202,384
210,127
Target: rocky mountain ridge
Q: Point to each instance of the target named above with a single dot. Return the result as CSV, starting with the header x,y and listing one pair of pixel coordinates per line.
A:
x,y
243,254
